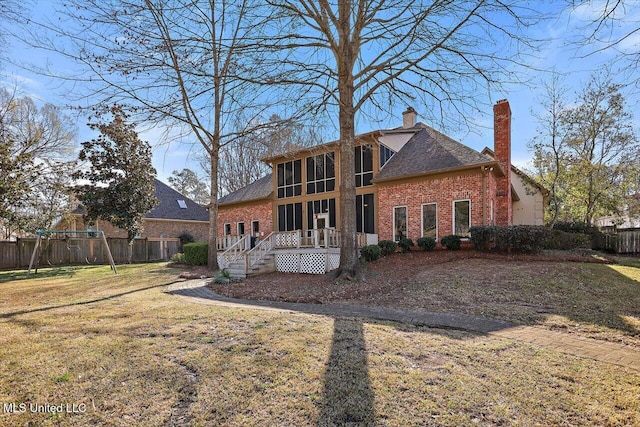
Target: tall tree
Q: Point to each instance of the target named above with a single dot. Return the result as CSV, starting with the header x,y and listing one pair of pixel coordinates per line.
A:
x,y
180,64
32,139
240,161
349,55
121,179
549,144
188,183
594,161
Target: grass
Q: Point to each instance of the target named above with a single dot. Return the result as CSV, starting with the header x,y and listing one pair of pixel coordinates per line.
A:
x,y
137,356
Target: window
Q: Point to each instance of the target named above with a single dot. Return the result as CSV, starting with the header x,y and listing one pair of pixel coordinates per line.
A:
x,y
364,213
289,175
399,223
364,165
461,217
240,227
321,174
227,229
255,227
321,207
386,154
290,217
430,220
182,204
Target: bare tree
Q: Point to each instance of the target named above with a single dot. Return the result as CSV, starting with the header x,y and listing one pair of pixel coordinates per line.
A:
x,y
350,55
35,147
176,63
549,145
241,161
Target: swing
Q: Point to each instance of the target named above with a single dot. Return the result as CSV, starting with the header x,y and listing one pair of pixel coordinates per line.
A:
x,y
71,246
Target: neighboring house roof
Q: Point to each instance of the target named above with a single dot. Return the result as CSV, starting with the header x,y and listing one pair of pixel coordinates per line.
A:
x,y
260,189
172,205
430,151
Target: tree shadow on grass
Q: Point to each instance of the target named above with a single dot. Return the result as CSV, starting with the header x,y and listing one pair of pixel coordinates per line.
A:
x,y
348,399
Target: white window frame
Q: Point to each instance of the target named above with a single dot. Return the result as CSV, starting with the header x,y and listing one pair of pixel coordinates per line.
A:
x,y
406,216
226,226
422,218
238,228
453,216
255,233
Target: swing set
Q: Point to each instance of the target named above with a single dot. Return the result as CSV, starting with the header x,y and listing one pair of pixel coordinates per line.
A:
x,y
44,247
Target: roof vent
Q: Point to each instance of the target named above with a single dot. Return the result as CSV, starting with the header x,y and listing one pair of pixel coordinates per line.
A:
x,y
182,204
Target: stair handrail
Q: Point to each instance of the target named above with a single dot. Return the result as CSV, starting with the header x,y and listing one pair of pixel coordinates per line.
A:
x,y
235,251
258,252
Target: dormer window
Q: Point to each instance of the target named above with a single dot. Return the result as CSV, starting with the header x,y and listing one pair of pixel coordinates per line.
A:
x,y
182,204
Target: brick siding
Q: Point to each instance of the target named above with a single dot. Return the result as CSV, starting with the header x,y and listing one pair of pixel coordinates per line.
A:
x,y
442,191
246,212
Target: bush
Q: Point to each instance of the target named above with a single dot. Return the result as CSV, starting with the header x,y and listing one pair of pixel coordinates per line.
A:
x,y
223,276
483,237
370,252
427,243
451,242
178,258
196,253
405,244
186,238
387,246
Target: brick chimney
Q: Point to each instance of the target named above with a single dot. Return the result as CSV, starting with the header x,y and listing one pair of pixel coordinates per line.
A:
x,y
409,118
502,152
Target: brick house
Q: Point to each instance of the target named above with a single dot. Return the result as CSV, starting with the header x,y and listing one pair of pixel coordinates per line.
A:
x,y
174,215
412,181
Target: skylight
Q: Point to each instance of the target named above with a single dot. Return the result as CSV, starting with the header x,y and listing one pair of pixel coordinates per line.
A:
x,y
182,204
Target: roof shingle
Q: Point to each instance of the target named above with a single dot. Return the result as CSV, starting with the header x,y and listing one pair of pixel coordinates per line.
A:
x,y
429,151
260,189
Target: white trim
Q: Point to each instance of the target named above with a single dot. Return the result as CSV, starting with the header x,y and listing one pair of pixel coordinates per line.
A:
x,y
453,214
238,228
422,218
224,229
253,221
406,217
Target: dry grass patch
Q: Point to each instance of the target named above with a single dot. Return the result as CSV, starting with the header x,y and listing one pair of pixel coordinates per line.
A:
x,y
139,357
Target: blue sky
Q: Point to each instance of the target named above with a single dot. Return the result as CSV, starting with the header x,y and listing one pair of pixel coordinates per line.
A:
x,y
555,55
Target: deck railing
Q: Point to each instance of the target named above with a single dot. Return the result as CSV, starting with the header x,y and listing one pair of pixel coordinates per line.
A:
x,y
225,242
235,251
258,252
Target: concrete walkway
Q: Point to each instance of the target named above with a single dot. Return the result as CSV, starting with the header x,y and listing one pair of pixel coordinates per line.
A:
x,y
196,291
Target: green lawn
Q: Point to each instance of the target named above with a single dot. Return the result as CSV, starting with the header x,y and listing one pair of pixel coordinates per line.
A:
x,y
137,356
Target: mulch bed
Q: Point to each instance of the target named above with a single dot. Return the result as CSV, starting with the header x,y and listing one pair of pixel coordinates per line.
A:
x,y
380,276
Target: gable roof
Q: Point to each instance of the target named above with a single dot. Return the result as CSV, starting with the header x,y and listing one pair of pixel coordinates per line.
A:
x,y
260,189
489,152
430,151
168,206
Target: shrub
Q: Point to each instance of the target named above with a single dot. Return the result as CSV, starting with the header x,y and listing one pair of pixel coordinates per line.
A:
x,y
483,237
185,238
427,243
370,252
178,258
223,276
405,244
387,246
451,242
196,253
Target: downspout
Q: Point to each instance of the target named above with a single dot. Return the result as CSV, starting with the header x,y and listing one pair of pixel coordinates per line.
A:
x,y
484,195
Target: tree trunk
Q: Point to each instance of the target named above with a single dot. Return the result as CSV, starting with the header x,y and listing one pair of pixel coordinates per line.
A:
x,y
349,261
212,261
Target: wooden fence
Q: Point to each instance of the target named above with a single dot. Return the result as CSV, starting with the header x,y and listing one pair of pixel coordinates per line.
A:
x,y
83,250
628,240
